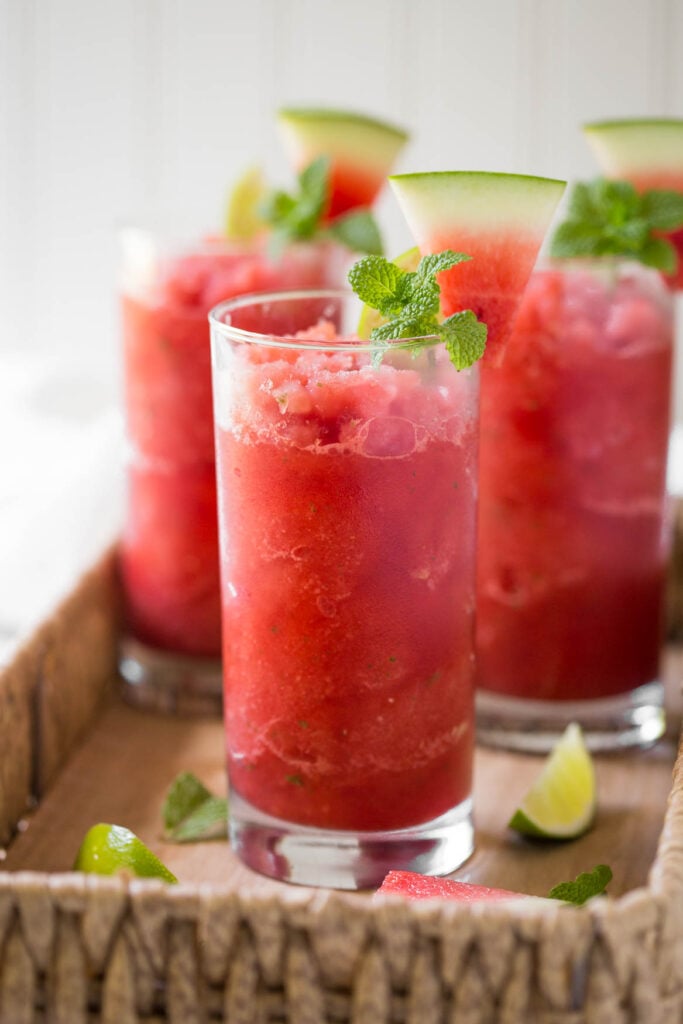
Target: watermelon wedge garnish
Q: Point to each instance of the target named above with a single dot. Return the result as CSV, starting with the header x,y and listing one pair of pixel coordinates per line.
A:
x,y
362,150
426,887
647,152
500,220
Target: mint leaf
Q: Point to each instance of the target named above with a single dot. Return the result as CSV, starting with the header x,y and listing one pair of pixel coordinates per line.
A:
x,y
410,303
313,182
584,887
660,254
582,202
358,231
464,337
574,238
422,295
276,207
663,209
297,217
300,216
406,326
610,218
191,812
377,282
433,263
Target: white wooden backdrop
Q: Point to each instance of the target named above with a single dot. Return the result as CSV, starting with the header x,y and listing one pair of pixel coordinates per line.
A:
x,y
109,107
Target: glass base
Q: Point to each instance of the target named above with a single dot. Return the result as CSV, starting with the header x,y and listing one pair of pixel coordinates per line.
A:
x,y
348,860
634,719
175,684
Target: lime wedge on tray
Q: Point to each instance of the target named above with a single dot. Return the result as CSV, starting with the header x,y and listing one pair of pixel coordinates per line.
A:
x,y
108,849
561,803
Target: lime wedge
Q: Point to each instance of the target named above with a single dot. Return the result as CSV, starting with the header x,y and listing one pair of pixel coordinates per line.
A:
x,y
242,218
108,849
369,317
561,803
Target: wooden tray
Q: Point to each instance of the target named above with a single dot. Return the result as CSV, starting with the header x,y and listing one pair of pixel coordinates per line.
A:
x,y
229,945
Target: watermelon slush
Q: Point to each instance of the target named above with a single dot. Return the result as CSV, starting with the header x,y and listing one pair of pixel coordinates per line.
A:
x,y
169,550
574,431
347,517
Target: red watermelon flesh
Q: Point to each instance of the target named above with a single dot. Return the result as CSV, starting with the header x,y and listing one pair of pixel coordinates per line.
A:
x,y
491,284
499,220
426,887
352,188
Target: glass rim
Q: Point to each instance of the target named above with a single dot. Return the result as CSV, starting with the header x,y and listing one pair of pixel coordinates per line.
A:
x,y
228,332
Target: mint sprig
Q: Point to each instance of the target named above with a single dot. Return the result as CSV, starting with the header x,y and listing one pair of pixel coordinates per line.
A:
x,y
409,300
357,230
610,218
584,887
299,217
191,812
296,217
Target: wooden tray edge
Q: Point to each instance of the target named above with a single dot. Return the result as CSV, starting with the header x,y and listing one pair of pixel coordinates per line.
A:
x,y
614,953
53,687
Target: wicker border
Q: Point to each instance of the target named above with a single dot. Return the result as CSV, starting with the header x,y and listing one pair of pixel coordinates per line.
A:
x,y
77,949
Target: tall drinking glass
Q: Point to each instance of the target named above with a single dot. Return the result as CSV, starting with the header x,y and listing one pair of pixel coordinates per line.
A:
x,y
170,657
572,538
347,501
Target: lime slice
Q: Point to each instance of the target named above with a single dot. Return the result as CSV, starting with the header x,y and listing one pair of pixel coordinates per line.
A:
x,y
242,218
561,803
108,849
371,318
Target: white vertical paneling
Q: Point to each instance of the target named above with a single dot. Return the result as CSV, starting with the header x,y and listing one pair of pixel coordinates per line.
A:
x,y
112,109
672,53
84,121
211,103
597,60
339,54
348,55
661,60
18,183
453,89
460,73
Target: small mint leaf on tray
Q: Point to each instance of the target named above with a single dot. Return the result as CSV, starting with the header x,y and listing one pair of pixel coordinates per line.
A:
x,y
584,887
192,813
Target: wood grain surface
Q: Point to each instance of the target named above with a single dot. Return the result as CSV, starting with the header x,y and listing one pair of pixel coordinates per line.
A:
x,y
122,771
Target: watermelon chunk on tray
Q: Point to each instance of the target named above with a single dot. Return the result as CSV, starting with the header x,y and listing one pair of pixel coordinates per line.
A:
x,y
426,887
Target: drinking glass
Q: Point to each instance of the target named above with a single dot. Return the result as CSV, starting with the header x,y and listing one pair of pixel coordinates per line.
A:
x,y
347,478
572,537
170,655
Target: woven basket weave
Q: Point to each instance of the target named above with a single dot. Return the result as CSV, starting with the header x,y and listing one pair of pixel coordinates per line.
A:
x,y
77,949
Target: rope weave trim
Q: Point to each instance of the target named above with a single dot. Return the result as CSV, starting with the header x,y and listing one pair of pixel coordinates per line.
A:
x,y
77,949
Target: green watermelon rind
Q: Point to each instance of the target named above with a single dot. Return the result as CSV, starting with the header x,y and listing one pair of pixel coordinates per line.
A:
x,y
438,201
366,141
637,145
634,122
